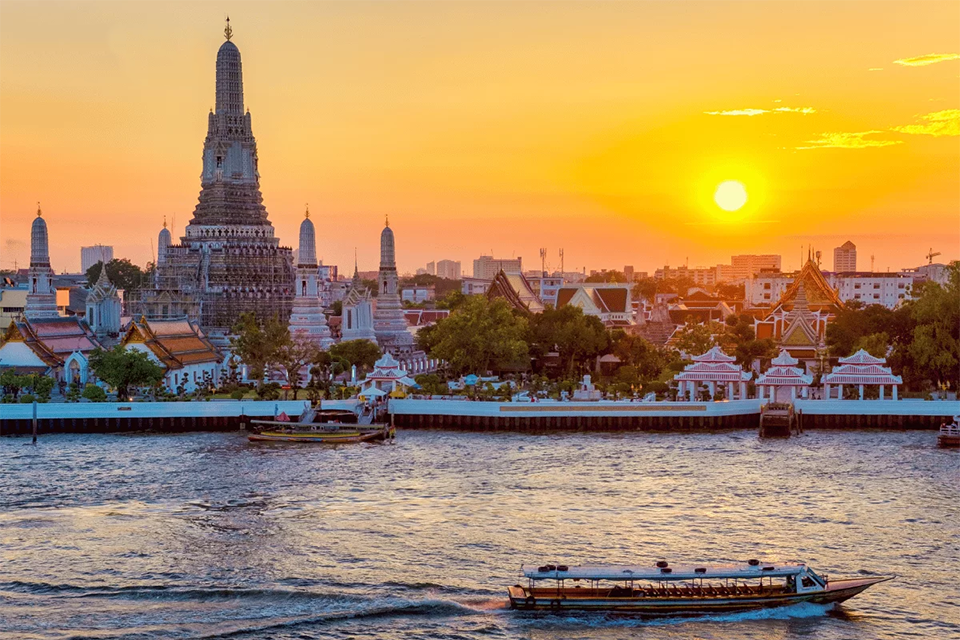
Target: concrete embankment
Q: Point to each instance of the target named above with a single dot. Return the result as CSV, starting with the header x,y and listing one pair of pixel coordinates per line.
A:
x,y
662,416
119,417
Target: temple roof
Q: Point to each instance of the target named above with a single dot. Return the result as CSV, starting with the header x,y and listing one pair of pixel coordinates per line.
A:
x,y
715,354
819,294
53,339
862,357
175,343
516,290
605,299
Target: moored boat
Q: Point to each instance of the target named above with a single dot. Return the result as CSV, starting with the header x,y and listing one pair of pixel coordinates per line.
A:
x,y
323,427
690,590
949,436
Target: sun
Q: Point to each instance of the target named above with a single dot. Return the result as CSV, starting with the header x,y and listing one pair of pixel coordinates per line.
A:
x,y
730,195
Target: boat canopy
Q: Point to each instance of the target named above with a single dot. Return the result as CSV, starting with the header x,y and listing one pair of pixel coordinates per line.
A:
x,y
688,572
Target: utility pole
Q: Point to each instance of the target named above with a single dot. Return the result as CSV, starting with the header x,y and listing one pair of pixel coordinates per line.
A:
x,y
543,261
561,262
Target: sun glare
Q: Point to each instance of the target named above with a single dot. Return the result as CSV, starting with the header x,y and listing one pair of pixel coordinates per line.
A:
x,y
730,195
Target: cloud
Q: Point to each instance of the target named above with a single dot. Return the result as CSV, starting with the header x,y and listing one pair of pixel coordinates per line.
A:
x,y
848,141
759,112
875,69
930,58
937,124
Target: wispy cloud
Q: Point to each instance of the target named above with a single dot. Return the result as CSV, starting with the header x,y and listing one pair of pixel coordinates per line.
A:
x,y
856,140
937,124
875,69
924,60
760,112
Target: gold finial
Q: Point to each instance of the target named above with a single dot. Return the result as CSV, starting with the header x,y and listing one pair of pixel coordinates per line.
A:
x,y
307,214
227,30
38,209
164,221
388,219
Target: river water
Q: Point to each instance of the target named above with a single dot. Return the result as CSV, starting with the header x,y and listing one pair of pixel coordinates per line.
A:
x,y
208,536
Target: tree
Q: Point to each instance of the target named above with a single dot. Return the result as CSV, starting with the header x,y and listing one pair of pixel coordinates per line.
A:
x,y
93,393
452,300
876,344
576,337
695,340
479,336
645,289
644,357
935,347
293,355
124,368
336,309
728,291
607,276
372,286
361,353
258,344
122,273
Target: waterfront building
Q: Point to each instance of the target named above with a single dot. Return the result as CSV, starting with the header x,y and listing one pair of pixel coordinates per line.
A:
x,y
845,257
515,289
307,318
388,321
356,315
229,260
608,301
713,368
188,358
41,297
90,256
387,378
486,267
103,308
783,374
449,269
859,370
53,346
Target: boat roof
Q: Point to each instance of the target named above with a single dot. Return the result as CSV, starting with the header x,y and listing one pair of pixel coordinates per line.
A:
x,y
686,572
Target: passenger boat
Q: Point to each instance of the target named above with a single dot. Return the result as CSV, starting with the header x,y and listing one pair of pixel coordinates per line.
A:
x,y
691,590
949,436
324,427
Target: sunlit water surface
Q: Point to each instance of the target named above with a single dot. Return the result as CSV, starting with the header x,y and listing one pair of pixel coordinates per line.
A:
x,y
207,535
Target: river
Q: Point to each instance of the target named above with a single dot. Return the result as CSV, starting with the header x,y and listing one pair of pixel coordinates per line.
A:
x,y
208,536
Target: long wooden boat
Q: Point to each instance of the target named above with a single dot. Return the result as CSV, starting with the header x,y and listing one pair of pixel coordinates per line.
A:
x,y
342,430
670,591
949,436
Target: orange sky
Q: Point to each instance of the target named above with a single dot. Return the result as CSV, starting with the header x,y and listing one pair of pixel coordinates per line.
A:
x,y
496,126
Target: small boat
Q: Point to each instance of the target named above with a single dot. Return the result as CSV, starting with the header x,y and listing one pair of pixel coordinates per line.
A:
x,y
949,437
778,419
662,590
325,427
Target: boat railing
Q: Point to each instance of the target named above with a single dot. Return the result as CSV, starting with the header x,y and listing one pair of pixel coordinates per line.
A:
x,y
950,429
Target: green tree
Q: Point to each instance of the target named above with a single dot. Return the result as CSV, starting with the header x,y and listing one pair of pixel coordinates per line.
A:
x,y
876,344
295,353
479,336
362,353
452,300
644,357
607,276
695,339
336,309
575,336
93,393
122,273
936,337
645,289
125,368
12,383
258,344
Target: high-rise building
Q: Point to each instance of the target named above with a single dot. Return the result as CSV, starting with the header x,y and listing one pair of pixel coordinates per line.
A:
x,y
845,258
628,272
228,261
744,267
449,269
487,267
432,268
90,256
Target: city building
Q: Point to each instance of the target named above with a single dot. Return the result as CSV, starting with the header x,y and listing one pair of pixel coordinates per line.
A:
x,y
474,286
12,303
699,275
845,257
188,358
90,256
744,267
229,260
431,268
545,286
629,273
306,318
417,294
885,288
388,321
608,301
486,267
449,269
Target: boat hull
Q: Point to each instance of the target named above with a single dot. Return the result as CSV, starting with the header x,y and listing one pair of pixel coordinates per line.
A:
x,y
948,442
337,437
566,599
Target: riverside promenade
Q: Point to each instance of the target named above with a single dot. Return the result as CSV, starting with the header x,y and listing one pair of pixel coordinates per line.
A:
x,y
120,417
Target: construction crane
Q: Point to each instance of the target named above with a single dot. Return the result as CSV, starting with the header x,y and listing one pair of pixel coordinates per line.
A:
x,y
931,255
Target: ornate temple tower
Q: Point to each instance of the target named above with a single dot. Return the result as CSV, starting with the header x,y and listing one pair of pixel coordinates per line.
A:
x,y
229,259
103,306
357,311
41,297
163,241
388,321
307,317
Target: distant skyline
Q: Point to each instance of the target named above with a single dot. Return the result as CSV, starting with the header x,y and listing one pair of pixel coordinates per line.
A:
x,y
496,128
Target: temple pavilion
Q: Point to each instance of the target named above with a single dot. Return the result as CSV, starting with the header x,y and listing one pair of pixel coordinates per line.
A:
x,y
388,378
859,370
713,368
783,374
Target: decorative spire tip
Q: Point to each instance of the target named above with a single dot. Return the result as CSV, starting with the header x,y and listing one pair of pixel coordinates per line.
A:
x,y
387,219
39,213
307,214
228,30
164,221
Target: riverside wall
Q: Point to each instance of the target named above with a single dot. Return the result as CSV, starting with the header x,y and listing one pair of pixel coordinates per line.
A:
x,y
662,416
120,417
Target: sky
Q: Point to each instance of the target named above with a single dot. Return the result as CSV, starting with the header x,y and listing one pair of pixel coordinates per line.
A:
x,y
501,128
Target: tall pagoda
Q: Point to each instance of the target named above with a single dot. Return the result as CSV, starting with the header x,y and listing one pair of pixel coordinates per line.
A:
x,y
229,261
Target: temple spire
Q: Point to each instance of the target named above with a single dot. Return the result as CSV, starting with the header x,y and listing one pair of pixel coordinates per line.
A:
x,y
228,30
164,221
39,213
307,214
